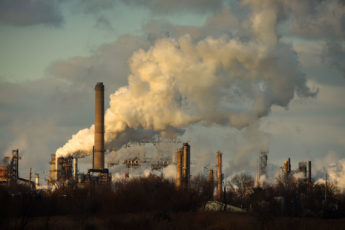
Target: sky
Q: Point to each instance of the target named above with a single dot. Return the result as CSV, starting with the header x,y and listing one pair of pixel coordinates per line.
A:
x,y
236,76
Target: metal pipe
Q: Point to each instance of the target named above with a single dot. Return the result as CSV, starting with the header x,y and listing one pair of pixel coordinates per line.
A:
x,y
98,162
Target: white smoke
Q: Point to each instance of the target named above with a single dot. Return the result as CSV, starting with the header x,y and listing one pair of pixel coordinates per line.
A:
x,y
335,174
121,172
178,82
299,175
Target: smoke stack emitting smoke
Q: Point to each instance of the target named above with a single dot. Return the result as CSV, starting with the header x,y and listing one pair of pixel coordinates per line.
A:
x,y
178,82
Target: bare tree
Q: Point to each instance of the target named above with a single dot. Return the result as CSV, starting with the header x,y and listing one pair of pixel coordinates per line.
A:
x,y
243,186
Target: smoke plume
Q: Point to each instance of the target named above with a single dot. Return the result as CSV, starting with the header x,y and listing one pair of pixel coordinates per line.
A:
x,y
178,82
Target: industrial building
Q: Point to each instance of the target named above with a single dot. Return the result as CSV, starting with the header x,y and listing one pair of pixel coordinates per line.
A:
x,y
65,169
9,171
61,169
303,167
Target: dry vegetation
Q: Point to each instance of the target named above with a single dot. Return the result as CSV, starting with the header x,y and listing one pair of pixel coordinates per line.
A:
x,y
155,203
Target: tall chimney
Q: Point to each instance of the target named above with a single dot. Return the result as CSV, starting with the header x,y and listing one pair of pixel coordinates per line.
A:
x,y
186,164
15,154
98,161
75,168
289,165
178,168
309,172
219,175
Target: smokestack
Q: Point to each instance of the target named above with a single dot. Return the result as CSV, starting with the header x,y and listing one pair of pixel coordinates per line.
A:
x,y
211,180
98,161
178,168
219,175
309,172
186,164
15,154
75,168
37,180
289,165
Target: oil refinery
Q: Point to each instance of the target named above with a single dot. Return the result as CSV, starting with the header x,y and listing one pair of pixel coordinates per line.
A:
x,y
64,169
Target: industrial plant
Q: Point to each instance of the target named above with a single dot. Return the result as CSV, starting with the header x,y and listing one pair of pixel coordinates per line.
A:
x,y
9,171
64,169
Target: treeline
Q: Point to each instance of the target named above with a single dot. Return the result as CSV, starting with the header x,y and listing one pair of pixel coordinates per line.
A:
x,y
288,196
152,194
160,197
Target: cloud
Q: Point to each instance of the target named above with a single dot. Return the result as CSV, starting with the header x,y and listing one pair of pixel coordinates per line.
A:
x,y
32,118
104,23
322,62
224,22
155,6
167,6
107,64
335,56
321,21
91,6
30,12
317,19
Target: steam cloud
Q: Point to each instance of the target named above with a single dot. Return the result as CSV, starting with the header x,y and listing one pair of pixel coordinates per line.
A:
x,y
178,82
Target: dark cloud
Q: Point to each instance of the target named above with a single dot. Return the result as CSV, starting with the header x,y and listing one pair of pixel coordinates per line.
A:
x,y
226,22
335,56
91,6
168,6
156,6
30,12
107,64
317,19
104,23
